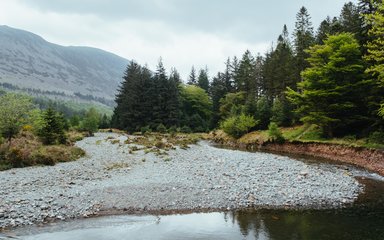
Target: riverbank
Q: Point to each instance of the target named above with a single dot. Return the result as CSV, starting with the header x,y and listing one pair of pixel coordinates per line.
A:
x,y
119,176
370,159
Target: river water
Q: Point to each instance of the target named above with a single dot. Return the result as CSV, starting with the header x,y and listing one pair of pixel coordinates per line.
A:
x,y
362,220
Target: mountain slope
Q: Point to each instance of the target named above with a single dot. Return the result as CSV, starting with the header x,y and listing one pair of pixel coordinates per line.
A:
x,y
27,61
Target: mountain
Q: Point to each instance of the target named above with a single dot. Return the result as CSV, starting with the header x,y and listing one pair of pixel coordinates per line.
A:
x,y
29,63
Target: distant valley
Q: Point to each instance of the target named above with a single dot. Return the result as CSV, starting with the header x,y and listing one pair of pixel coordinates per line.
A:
x,y
32,65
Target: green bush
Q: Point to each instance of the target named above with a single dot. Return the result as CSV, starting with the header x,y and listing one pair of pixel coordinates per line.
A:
x,y
275,133
145,130
377,137
172,130
237,126
186,129
161,128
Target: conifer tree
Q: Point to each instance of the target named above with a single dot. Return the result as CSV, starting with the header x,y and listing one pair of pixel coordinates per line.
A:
x,y
333,92
350,20
125,112
203,81
52,131
244,75
303,39
192,80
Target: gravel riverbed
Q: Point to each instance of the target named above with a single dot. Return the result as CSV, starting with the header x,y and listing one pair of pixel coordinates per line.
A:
x,y
201,177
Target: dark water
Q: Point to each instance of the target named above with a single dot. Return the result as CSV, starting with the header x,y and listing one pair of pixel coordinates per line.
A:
x,y
363,220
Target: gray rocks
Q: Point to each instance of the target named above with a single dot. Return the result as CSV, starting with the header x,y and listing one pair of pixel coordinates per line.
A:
x,y
201,177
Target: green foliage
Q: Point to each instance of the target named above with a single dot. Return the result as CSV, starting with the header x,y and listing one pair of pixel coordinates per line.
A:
x,y
90,123
237,126
52,130
74,121
375,45
303,39
381,110
105,121
161,128
36,120
14,111
263,113
145,129
185,129
146,99
203,81
196,107
275,133
331,94
377,137
278,115
232,104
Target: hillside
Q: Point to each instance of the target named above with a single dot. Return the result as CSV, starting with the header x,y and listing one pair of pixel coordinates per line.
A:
x,y
29,63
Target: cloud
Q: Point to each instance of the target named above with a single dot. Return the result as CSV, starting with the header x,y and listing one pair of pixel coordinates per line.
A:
x,y
183,32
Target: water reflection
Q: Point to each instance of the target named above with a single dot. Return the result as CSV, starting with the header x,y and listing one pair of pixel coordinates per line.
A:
x,y
276,225
364,220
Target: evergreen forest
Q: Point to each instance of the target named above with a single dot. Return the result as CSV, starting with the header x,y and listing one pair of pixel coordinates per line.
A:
x,y
330,76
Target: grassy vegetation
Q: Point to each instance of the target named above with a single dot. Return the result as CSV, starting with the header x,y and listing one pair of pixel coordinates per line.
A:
x,y
26,149
304,133
158,143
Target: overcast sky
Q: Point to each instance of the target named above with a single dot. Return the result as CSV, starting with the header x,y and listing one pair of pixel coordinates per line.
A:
x,y
182,32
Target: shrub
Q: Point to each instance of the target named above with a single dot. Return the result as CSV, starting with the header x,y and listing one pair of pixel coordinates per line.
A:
x,y
15,157
275,133
186,129
145,130
161,128
237,126
172,130
377,137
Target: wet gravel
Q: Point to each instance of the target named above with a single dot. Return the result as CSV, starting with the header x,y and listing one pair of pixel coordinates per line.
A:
x,y
203,177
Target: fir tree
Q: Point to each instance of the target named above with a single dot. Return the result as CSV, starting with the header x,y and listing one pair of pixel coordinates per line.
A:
x,y
332,92
52,131
203,81
192,80
303,39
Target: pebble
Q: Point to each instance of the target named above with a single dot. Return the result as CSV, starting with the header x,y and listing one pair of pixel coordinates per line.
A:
x,y
201,177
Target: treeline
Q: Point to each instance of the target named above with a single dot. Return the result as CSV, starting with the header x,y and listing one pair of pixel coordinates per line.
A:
x,y
39,92
157,101
331,77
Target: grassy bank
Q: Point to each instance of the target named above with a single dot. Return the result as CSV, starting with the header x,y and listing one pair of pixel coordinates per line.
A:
x,y
302,133
26,149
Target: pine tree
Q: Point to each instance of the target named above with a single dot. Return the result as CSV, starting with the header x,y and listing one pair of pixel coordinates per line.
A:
x,y
303,39
333,91
279,69
160,113
324,30
203,81
125,112
244,75
350,20
52,131
173,99
192,77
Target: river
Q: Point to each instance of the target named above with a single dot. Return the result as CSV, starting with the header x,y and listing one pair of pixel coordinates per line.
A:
x,y
363,219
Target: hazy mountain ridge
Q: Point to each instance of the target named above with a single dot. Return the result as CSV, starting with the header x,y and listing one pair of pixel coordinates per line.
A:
x,y
27,61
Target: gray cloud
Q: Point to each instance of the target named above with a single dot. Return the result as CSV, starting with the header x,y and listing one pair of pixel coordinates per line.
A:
x,y
249,20
183,32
